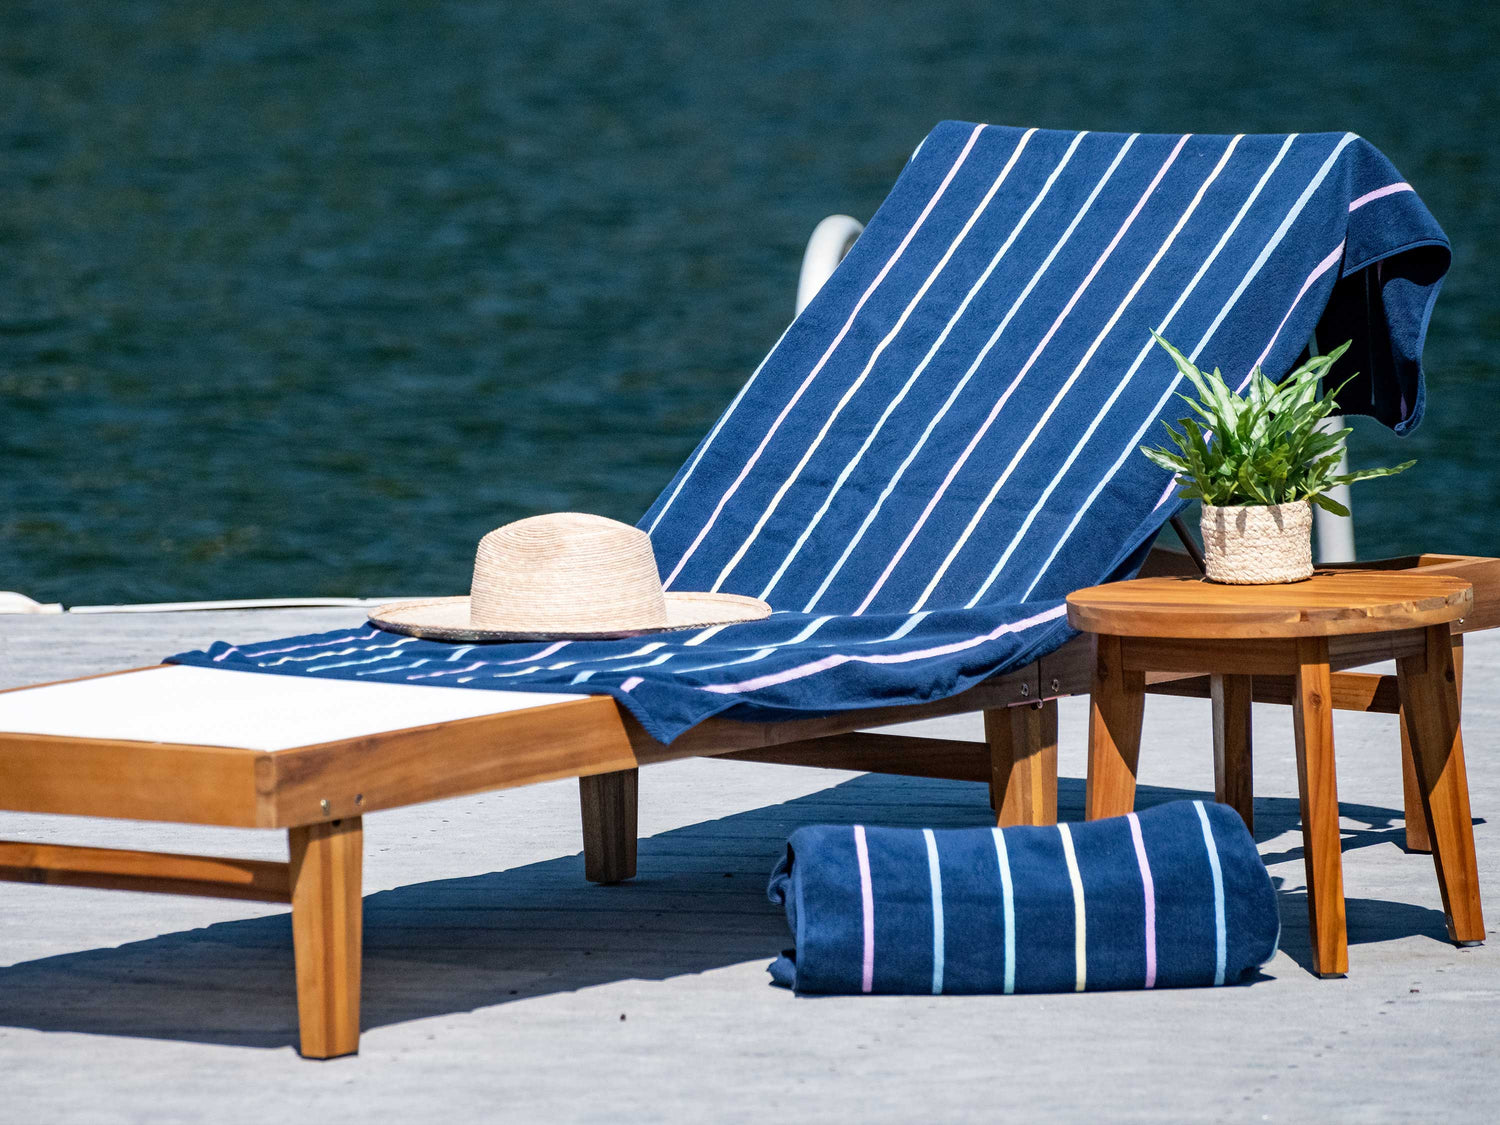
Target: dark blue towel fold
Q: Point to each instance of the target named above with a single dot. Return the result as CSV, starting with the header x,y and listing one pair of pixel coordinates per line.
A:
x,y
1174,896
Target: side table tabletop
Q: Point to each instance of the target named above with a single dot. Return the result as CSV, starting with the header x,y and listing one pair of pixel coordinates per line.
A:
x,y
1306,630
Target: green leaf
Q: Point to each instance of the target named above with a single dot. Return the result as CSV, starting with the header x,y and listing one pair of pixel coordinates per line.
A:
x,y
1172,462
1328,504
1370,474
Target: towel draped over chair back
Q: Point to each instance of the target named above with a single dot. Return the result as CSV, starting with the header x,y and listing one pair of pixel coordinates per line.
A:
x,y
945,442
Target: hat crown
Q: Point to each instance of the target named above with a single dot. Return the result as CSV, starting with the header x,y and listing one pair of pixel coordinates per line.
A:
x,y
566,572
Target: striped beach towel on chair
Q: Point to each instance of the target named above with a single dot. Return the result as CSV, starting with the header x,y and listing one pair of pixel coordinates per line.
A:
x,y
944,444
1170,897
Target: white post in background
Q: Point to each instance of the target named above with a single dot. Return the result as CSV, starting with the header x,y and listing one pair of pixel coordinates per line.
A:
x,y
1335,534
830,241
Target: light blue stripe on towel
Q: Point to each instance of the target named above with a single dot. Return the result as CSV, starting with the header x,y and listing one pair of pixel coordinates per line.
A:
x,y
937,911
1221,935
1008,900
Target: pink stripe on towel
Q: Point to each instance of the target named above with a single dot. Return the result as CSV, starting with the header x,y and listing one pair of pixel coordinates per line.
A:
x,y
867,895
1150,895
1379,193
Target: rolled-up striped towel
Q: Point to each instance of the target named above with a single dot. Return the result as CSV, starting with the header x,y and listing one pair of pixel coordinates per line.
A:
x,y
1173,896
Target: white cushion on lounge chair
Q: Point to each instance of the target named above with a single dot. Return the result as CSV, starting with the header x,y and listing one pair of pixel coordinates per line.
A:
x,y
209,707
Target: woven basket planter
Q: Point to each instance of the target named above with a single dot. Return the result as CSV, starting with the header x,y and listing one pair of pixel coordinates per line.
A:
x,y
1256,544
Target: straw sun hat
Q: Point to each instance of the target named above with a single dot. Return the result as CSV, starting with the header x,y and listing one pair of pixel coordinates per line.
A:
x,y
564,576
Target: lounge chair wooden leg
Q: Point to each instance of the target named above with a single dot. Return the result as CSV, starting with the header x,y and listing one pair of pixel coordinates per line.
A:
x,y
608,803
327,930
1117,706
1417,839
1429,696
1234,771
1312,716
1023,763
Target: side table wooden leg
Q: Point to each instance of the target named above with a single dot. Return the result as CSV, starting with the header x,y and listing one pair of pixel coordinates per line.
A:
x,y
327,931
1234,771
1417,839
1312,715
1429,696
1023,763
1117,706
608,804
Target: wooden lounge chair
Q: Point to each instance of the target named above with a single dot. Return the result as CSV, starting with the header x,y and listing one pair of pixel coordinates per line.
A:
x,y
405,746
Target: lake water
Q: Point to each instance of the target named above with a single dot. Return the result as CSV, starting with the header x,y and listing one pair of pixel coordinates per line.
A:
x,y
304,298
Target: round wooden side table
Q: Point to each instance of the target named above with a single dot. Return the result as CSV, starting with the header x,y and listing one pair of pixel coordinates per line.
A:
x,y
1305,631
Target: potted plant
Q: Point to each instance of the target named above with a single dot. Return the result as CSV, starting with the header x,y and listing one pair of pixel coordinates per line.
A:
x,y
1258,461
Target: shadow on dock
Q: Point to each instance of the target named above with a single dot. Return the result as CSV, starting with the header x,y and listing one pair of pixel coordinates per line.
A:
x,y
456,945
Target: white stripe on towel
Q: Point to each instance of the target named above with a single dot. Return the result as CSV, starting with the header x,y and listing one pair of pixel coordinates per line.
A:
x,y
1008,905
1080,923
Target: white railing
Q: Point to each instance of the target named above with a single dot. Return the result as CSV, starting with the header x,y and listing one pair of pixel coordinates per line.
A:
x,y
12,602
830,241
1333,536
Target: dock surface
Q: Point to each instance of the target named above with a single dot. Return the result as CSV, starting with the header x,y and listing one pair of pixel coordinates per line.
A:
x,y
500,986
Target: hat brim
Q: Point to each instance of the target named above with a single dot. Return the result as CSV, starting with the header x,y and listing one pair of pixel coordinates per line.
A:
x,y
447,619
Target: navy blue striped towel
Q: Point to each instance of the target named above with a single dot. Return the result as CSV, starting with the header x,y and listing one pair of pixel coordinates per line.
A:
x,y
944,444
1170,897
